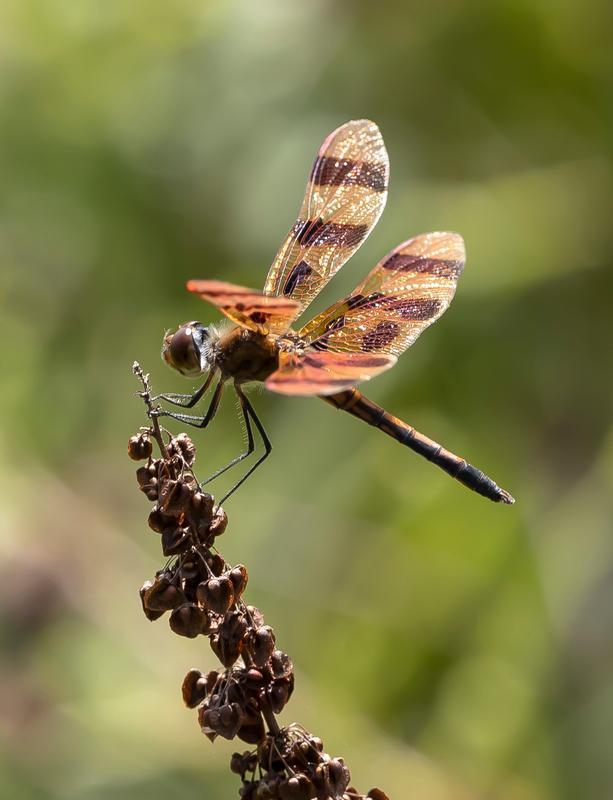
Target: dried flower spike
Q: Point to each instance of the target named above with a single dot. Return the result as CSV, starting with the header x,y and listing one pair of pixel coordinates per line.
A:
x,y
204,596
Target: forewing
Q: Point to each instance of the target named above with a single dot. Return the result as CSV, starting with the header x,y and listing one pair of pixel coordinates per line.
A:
x,y
345,196
247,307
325,373
407,291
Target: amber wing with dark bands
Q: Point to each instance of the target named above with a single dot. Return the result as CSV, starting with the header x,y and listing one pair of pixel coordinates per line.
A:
x,y
345,195
405,293
323,373
246,307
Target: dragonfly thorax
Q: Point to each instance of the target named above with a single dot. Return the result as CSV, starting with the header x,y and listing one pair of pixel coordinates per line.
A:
x,y
244,355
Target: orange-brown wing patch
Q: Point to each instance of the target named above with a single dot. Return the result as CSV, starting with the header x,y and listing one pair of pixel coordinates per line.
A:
x,y
407,291
325,373
247,307
345,196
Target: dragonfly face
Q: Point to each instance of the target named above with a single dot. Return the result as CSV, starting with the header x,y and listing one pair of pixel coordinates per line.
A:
x,y
187,348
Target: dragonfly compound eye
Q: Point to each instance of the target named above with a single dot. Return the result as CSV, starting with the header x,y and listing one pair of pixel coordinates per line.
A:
x,y
182,349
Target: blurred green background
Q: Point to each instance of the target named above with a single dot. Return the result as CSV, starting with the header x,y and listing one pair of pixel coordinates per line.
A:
x,y
447,647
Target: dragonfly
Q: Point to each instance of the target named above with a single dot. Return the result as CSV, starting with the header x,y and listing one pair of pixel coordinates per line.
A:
x,y
350,342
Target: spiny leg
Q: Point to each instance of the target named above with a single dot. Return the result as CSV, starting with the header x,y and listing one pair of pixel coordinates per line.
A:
x,y
250,443
265,440
198,422
186,400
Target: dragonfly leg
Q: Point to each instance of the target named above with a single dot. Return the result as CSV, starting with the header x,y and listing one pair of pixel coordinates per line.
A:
x,y
186,400
250,443
198,422
249,412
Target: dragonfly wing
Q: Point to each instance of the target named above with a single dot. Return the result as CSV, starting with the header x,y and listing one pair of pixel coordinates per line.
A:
x,y
247,307
408,290
325,373
344,198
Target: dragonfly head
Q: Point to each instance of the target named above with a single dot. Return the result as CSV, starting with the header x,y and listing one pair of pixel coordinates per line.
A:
x,y
187,349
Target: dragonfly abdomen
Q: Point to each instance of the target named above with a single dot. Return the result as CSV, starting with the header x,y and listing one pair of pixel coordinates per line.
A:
x,y
354,402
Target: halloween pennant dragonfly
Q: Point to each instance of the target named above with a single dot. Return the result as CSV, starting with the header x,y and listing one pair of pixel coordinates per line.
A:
x,y
352,340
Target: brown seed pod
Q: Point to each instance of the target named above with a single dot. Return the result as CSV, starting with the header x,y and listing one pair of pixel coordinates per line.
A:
x,y
228,642
298,787
377,794
181,445
163,595
191,568
216,564
226,651
252,730
253,680
149,612
216,594
331,778
255,616
219,523
211,680
269,757
139,447
158,520
148,481
281,664
175,541
239,577
262,645
175,496
194,688
200,514
241,763
189,620
224,720
279,694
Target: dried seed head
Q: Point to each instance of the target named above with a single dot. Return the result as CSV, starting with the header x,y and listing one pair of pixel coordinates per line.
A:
x,y
194,688
139,447
189,620
216,594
